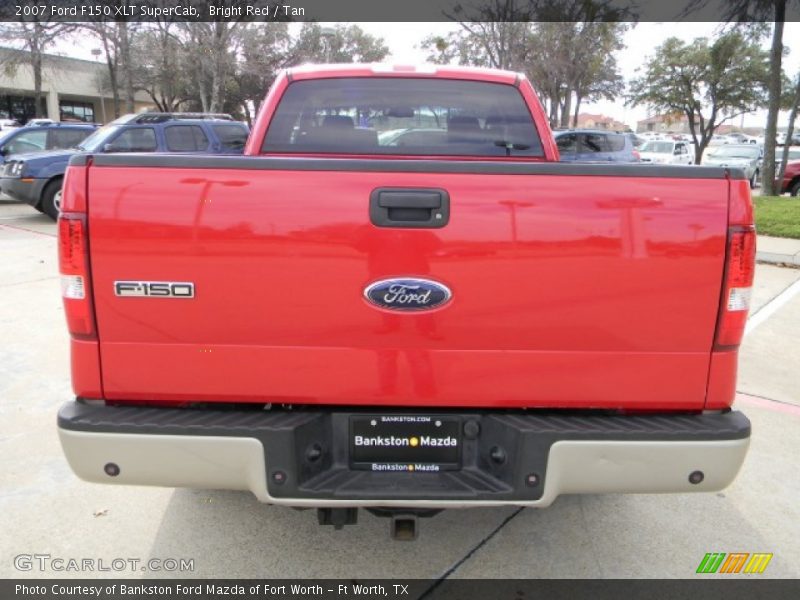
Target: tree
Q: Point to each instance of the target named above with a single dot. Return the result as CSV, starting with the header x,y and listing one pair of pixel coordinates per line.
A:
x,y
774,89
124,33
266,49
575,59
162,65
707,82
743,11
30,39
211,48
116,39
340,44
499,45
570,54
602,80
105,33
793,101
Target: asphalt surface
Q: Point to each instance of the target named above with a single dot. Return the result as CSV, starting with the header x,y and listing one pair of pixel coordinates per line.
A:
x,y
45,509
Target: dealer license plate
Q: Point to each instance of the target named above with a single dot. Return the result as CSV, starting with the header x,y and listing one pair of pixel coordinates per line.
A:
x,y
405,443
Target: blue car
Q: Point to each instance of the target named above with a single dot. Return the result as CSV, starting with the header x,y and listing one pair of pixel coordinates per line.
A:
x,y
39,138
37,178
590,145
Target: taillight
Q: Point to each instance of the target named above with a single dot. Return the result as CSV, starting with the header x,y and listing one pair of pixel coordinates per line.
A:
x,y
740,265
73,261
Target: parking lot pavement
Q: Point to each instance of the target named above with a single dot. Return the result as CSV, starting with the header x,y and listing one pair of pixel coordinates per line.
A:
x,y
768,369
45,509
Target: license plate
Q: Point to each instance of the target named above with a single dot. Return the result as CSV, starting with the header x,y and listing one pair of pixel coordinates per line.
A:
x,y
405,443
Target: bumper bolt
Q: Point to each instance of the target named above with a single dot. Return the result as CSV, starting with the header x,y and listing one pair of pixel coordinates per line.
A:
x,y
313,453
696,477
111,469
471,429
498,455
532,480
279,477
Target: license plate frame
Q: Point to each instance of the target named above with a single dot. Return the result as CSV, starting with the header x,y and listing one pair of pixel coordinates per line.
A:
x,y
410,443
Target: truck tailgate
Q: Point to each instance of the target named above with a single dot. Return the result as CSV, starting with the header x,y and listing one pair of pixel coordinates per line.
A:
x,y
571,286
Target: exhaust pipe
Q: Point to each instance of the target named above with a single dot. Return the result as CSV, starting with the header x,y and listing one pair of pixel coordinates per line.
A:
x,y
337,517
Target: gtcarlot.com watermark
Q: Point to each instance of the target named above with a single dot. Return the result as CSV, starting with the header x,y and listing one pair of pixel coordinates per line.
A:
x,y
60,564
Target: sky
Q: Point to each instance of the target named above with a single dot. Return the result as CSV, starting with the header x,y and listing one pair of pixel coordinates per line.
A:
x,y
404,40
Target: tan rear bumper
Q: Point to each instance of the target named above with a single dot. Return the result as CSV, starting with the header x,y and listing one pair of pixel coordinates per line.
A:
x,y
238,463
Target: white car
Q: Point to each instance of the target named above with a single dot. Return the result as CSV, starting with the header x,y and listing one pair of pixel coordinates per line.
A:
x,y
666,152
746,157
780,139
740,138
7,124
649,136
718,140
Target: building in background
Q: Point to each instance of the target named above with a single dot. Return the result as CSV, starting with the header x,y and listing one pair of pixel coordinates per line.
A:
x,y
678,123
71,89
667,123
590,121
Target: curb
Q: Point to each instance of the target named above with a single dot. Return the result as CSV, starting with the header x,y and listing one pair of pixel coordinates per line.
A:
x,y
783,260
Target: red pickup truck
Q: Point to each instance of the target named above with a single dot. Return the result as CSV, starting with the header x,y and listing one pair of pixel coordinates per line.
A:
x,y
399,299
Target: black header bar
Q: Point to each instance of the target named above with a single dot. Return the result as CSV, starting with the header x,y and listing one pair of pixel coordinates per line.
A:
x,y
267,11
733,588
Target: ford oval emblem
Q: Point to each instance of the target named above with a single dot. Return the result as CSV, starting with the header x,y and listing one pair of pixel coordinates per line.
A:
x,y
407,294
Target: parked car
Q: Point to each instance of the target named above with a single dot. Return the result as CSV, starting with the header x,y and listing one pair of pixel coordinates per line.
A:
x,y
791,176
8,124
37,178
746,157
589,145
780,139
39,122
37,138
667,152
649,136
334,323
794,154
718,140
635,139
678,137
412,137
791,179
740,138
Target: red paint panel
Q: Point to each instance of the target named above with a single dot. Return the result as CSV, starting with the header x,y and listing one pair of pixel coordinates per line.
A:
x,y
567,291
403,376
85,362
741,204
74,190
722,380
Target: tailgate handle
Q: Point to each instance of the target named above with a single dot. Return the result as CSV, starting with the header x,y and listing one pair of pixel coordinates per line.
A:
x,y
399,207
410,200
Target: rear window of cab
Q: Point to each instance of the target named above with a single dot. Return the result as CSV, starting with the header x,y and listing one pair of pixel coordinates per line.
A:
x,y
402,116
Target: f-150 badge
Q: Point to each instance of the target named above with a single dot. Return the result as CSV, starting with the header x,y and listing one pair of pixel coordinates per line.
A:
x,y
154,289
407,294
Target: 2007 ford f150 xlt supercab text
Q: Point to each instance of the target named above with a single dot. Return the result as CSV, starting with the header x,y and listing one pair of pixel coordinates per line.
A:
x,y
399,299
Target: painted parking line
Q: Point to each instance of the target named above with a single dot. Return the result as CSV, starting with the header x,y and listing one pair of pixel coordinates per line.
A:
x,y
768,404
18,228
771,307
